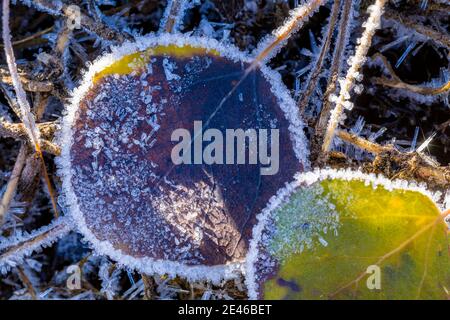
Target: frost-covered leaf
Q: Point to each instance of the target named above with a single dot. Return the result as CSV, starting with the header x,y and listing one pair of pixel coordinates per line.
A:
x,y
126,194
345,235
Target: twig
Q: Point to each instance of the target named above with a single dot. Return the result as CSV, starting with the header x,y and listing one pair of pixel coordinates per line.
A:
x,y
372,23
439,37
314,75
12,183
413,162
14,252
341,42
26,281
27,117
29,85
362,143
87,23
173,15
396,82
17,130
268,48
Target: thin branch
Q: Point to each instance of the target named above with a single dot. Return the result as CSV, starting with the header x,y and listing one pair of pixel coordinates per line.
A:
x,y
29,85
396,82
362,143
87,23
438,37
372,23
413,162
11,187
173,15
270,46
26,115
314,74
13,252
26,281
18,131
341,43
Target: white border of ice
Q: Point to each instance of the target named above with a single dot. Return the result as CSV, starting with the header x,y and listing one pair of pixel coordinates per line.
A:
x,y
147,265
307,179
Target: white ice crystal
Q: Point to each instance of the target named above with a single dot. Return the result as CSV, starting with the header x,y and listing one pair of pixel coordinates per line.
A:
x,y
55,7
13,258
110,279
355,63
175,10
297,17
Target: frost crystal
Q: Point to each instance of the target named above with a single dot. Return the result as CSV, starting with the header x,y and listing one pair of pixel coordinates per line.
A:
x,y
13,254
278,38
298,224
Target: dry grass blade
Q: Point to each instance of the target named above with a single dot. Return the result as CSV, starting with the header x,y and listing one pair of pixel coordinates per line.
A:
x,y
438,37
372,23
14,252
11,187
26,116
269,47
32,37
25,110
26,281
173,15
396,82
314,75
341,42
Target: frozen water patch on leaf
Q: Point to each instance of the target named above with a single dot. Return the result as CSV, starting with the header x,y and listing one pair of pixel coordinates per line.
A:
x,y
297,232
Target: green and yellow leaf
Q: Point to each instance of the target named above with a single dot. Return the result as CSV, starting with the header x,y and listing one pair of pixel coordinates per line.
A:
x,y
346,239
